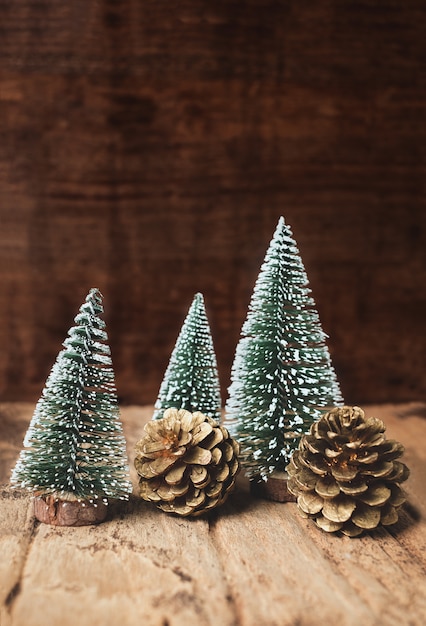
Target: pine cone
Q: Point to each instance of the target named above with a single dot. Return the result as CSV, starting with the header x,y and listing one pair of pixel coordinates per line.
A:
x,y
344,473
187,463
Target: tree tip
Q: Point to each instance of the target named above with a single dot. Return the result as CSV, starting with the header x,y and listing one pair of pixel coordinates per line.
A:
x,y
94,292
197,301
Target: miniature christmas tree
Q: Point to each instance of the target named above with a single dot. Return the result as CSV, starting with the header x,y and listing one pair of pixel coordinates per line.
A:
x,y
282,377
75,453
191,380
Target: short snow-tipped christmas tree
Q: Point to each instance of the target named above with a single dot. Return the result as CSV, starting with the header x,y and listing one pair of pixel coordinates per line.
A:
x,y
282,377
75,450
191,380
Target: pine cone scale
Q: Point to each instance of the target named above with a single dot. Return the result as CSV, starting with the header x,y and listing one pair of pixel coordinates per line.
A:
x,y
198,455
354,487
379,470
306,479
338,509
150,490
222,474
179,490
333,454
165,493
214,439
388,516
316,446
397,496
366,517
201,432
368,458
327,487
327,524
377,494
216,456
199,476
316,464
197,499
144,469
228,451
174,476
391,450
400,472
343,472
350,530
310,503
214,489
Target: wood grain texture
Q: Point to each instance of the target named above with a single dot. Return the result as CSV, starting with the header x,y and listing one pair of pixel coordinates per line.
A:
x,y
148,148
250,563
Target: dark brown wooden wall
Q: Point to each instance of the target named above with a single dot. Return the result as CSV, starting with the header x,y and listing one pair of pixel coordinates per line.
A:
x,y
148,147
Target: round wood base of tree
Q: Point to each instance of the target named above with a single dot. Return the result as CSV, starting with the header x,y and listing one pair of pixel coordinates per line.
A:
x,y
273,488
50,510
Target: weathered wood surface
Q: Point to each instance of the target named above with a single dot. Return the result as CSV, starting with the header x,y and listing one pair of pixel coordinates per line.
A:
x,y
252,563
148,148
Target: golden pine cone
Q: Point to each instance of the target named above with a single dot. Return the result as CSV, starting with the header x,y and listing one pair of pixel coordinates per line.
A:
x,y
345,475
187,463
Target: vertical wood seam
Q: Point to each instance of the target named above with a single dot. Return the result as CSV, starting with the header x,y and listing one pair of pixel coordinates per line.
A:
x,y
16,588
230,598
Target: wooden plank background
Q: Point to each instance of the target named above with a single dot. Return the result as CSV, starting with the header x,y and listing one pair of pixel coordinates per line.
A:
x,y
148,148
249,563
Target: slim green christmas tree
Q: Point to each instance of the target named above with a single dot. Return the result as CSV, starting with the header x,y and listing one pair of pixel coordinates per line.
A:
x,y
75,452
191,379
282,377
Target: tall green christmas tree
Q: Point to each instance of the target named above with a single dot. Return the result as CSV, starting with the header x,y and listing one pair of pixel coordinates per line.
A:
x,y
75,449
282,377
191,379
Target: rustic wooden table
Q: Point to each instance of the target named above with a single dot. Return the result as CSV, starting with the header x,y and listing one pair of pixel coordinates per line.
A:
x,y
251,563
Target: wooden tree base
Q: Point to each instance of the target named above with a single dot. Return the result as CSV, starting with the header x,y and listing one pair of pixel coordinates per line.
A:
x,y
50,510
273,488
